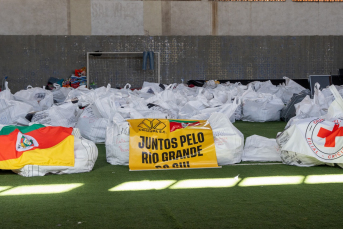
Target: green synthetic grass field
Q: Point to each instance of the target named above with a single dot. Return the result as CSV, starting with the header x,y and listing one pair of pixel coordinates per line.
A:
x,y
296,203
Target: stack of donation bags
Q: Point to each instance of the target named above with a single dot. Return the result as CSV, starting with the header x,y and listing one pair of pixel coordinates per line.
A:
x,y
228,140
37,150
85,156
101,114
257,102
51,108
314,135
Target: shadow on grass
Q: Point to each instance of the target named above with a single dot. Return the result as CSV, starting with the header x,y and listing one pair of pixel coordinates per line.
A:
x,y
6,172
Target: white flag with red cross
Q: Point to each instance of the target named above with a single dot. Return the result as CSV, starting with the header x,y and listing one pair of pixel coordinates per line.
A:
x,y
316,137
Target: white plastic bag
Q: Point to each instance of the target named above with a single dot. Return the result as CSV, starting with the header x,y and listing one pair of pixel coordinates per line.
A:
x,y
230,109
90,97
205,113
156,111
193,107
85,97
188,111
315,141
155,114
106,106
267,87
13,112
117,143
86,154
92,125
292,85
307,108
335,109
228,140
39,98
303,145
152,87
264,108
299,159
60,93
63,115
222,96
6,94
315,107
258,148
210,84
77,93
319,98
329,97
287,90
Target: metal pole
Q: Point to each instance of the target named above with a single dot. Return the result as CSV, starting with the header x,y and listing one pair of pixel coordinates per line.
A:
x,y
88,70
158,68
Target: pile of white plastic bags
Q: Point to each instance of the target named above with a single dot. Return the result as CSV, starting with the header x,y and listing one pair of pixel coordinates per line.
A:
x,y
257,102
50,108
85,152
314,136
101,114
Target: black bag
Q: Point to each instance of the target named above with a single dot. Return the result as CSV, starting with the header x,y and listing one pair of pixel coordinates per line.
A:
x,y
288,111
197,83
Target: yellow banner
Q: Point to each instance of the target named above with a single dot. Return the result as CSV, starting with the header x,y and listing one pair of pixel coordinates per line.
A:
x,y
171,144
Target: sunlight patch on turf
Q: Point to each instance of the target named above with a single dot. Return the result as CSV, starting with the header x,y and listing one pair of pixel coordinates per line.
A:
x,y
143,185
226,182
2,188
40,189
206,183
275,180
322,179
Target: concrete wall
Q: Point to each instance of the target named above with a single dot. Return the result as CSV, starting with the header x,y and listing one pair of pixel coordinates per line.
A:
x,y
155,18
197,39
38,17
33,59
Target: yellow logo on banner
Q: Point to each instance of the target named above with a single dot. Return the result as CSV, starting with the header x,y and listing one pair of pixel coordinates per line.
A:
x,y
171,144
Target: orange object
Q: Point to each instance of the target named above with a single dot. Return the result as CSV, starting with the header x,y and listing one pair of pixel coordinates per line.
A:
x,y
80,72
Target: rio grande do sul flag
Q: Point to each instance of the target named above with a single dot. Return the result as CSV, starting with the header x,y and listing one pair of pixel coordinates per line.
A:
x,y
36,145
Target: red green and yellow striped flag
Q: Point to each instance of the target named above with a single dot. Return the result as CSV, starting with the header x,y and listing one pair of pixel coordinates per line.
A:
x,y
36,145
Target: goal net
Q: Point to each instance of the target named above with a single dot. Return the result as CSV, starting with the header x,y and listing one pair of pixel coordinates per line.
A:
x,y
119,68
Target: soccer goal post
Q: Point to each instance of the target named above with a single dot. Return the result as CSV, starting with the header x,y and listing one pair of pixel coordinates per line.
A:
x,y
119,68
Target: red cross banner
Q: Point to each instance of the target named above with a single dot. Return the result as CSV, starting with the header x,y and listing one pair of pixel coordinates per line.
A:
x,y
316,137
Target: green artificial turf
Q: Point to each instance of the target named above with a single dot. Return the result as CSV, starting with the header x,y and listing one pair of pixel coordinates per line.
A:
x,y
266,129
92,205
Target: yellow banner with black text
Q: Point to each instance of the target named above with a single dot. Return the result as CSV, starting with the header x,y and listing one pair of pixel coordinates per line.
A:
x,y
171,144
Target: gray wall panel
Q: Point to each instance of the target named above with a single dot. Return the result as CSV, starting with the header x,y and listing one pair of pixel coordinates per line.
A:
x,y
33,59
33,17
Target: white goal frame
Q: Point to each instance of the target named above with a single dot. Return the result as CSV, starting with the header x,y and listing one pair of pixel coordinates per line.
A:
x,y
158,63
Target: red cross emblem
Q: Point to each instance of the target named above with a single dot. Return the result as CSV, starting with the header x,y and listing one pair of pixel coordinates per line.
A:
x,y
330,136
